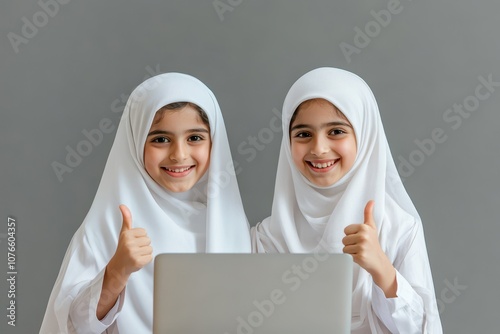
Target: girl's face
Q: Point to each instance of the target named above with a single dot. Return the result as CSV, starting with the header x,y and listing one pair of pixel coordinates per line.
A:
x,y
322,142
177,149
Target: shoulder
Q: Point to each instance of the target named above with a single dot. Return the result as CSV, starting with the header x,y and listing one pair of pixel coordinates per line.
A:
x,y
398,230
398,218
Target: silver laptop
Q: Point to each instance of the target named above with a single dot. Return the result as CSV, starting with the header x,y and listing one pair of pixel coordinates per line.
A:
x,y
252,293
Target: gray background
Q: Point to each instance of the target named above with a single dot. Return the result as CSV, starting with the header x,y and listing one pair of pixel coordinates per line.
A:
x,y
73,71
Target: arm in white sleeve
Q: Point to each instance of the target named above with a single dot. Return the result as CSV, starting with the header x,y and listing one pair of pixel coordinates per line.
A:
x,y
414,310
82,315
403,314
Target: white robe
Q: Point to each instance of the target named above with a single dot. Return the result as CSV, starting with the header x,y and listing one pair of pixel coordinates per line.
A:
x,y
305,217
207,218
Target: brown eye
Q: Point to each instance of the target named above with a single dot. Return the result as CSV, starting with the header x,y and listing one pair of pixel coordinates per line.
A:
x,y
302,135
195,138
160,140
337,132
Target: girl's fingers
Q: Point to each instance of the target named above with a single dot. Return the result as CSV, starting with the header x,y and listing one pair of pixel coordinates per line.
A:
x,y
137,232
143,241
134,249
351,249
147,250
356,249
352,229
139,250
350,240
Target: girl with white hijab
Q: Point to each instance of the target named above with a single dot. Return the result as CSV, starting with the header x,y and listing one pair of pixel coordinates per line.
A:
x,y
338,190
169,186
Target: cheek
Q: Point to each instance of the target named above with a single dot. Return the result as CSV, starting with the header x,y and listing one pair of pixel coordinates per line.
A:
x,y
348,150
297,152
203,155
148,159
151,158
206,157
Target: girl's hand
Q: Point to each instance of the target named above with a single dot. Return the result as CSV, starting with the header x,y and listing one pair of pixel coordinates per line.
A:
x,y
361,241
132,253
134,249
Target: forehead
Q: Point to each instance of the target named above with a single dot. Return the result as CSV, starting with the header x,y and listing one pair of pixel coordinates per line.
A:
x,y
311,108
186,115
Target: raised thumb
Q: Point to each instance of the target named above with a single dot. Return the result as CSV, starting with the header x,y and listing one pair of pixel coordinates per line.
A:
x,y
369,220
127,218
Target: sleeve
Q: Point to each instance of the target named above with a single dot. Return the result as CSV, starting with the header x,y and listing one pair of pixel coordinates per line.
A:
x,y
73,301
82,314
414,310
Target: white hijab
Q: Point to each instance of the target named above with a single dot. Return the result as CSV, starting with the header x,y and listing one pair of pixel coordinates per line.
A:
x,y
207,218
307,218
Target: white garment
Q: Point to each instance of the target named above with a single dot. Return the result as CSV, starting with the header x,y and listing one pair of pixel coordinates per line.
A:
x,y
207,218
306,218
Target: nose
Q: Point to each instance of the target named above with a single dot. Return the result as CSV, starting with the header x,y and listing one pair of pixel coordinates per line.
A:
x,y
319,146
179,152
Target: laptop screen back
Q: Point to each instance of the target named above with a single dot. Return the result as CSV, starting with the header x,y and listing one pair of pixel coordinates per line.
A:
x,y
252,293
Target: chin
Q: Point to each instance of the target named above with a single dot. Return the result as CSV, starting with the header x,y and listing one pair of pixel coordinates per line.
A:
x,y
323,183
176,189
181,190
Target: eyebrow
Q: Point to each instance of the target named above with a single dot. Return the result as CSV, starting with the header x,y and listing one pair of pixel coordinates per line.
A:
x,y
163,132
325,125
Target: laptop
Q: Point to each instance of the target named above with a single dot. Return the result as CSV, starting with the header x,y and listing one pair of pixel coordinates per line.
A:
x,y
252,293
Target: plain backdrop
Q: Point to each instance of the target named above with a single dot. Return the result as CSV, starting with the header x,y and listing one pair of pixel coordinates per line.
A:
x,y
66,66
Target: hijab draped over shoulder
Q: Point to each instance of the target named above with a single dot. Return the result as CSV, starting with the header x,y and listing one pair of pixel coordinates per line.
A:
x,y
207,218
306,218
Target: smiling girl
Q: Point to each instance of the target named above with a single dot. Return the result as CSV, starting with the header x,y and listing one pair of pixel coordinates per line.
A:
x,y
177,149
337,190
322,142
159,193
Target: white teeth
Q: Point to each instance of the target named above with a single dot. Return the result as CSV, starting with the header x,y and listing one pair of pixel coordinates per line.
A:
x,y
323,165
178,170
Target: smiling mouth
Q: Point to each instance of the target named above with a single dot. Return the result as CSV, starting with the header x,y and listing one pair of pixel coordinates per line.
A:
x,y
178,170
323,165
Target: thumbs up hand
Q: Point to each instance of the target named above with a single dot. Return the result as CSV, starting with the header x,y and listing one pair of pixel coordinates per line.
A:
x,y
361,241
132,253
134,249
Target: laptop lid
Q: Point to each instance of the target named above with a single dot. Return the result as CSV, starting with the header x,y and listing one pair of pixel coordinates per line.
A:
x,y
252,293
